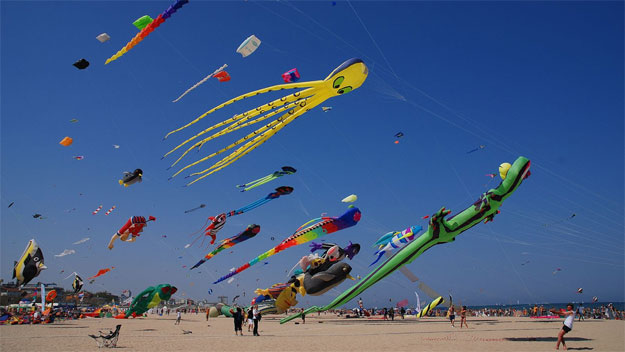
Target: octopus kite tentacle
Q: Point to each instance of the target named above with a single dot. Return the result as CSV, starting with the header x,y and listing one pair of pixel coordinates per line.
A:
x,y
286,101
235,126
345,78
247,95
248,147
440,230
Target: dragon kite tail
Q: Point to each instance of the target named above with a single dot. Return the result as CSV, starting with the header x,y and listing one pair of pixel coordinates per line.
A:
x,y
202,261
380,254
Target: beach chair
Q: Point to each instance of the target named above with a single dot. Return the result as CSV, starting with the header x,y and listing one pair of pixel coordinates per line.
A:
x,y
109,340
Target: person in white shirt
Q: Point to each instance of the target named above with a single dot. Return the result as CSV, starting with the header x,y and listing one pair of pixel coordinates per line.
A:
x,y
178,318
568,323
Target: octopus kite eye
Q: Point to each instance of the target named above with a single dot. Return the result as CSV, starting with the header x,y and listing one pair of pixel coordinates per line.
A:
x,y
337,82
345,90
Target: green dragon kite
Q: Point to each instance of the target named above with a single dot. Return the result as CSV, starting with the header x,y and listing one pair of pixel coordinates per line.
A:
x,y
440,230
148,298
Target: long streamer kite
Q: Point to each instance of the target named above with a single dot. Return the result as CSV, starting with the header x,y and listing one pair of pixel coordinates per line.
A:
x,y
427,309
345,78
286,170
249,232
148,29
202,81
305,233
440,230
218,222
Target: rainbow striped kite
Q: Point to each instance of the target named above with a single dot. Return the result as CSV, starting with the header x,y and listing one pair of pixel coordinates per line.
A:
x,y
322,226
148,29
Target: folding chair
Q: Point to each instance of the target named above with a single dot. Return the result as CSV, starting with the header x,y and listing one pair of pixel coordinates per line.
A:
x,y
109,340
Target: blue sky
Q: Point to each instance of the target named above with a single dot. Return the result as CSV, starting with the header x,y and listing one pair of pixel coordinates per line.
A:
x,y
538,79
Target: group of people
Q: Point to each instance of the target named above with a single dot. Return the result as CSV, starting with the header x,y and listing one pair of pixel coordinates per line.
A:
x,y
451,313
251,317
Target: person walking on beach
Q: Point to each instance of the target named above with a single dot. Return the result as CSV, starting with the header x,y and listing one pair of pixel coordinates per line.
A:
x,y
568,323
385,314
463,317
257,316
207,313
178,318
452,316
391,313
250,318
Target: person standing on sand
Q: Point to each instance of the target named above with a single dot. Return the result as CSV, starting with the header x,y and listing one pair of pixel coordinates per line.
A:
x,y
178,318
257,315
250,318
568,323
452,316
580,312
207,313
463,317
303,318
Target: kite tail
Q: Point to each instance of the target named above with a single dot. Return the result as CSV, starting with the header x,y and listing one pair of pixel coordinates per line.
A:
x,y
380,254
198,264
315,246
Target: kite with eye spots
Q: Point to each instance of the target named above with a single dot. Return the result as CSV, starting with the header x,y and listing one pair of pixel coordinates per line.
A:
x,y
345,78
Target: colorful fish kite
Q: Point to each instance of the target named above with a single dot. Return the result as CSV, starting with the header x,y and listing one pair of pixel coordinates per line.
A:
x,y
348,76
305,233
30,264
440,231
218,222
148,29
286,170
201,81
249,232
394,240
77,284
101,272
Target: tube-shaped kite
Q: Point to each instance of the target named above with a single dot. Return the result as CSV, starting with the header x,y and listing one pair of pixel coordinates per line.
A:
x,y
440,230
218,222
249,232
345,78
101,272
306,233
201,81
286,170
427,309
148,29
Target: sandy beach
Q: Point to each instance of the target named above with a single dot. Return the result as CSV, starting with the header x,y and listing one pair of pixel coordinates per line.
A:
x,y
326,333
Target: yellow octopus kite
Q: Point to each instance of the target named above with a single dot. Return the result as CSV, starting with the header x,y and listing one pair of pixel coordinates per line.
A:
x,y
345,78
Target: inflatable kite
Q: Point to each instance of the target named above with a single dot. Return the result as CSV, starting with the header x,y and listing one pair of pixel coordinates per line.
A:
x,y
149,28
249,46
81,64
318,283
202,81
142,22
77,284
134,226
218,222
345,78
394,240
427,309
476,149
249,232
440,230
286,170
131,177
194,209
29,265
350,198
291,75
313,263
149,298
103,37
101,272
65,252
326,108
305,233
66,142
